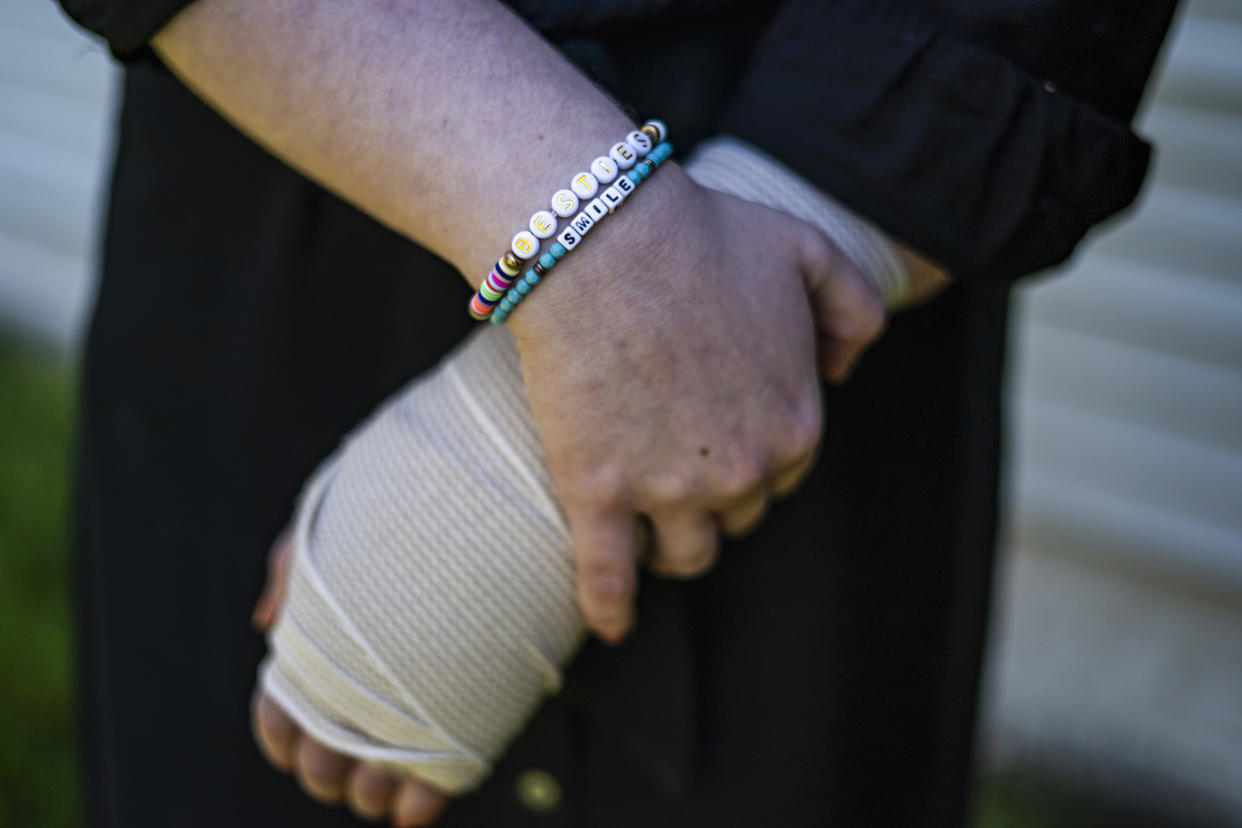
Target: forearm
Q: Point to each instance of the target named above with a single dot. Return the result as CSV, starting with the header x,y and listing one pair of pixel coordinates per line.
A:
x,y
451,121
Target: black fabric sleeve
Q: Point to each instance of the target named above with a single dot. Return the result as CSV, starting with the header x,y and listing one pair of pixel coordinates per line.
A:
x,y
951,147
126,25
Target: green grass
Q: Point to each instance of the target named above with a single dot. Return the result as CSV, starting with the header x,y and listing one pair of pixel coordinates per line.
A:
x,y
38,773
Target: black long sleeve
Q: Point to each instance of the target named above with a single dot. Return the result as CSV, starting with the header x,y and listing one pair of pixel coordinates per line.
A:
x,y
949,144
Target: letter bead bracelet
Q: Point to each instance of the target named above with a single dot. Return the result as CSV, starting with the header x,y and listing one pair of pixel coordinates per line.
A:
x,y
611,179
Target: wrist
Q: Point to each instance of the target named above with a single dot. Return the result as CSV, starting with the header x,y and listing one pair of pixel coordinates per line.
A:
x,y
612,262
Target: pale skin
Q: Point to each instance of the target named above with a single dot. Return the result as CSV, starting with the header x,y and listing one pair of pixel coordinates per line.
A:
x,y
673,380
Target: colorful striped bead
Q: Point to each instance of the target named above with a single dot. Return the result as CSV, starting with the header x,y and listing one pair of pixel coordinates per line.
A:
x,y
478,310
498,281
489,293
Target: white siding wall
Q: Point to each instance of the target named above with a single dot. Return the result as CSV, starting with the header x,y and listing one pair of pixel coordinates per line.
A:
x,y
1118,659
57,100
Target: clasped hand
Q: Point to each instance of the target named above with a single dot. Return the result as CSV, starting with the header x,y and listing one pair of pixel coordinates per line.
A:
x,y
672,367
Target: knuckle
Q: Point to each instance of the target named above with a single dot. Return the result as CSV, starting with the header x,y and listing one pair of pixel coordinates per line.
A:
x,y
669,488
740,478
601,486
800,435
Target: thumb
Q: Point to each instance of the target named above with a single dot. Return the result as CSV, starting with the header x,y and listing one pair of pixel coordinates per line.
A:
x,y
848,310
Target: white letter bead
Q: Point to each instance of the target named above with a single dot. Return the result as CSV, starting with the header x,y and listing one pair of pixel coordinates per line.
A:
x,y
624,185
525,245
582,223
584,185
604,169
543,224
569,238
564,203
623,155
596,209
640,143
612,197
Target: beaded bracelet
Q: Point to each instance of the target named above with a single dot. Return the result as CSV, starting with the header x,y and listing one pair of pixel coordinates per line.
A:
x,y
502,289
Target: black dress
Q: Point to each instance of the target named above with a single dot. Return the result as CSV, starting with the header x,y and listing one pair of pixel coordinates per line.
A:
x,y
827,671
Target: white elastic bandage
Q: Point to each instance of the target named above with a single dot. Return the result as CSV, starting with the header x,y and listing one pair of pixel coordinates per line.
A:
x,y
431,601
732,166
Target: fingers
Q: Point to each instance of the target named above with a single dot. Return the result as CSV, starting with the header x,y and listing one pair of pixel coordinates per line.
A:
x,y
273,594
416,804
370,791
605,545
686,544
789,480
321,772
276,734
849,312
330,777
744,516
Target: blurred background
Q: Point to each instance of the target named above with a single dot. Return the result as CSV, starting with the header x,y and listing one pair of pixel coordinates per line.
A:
x,y
1114,688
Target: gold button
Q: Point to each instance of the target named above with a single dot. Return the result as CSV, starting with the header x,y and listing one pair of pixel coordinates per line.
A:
x,y
538,790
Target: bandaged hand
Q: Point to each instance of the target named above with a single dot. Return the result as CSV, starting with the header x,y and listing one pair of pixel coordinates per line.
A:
x,y
431,596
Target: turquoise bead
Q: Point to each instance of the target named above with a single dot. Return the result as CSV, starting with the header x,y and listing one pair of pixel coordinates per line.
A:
x,y
547,260
532,278
558,250
498,318
522,287
634,176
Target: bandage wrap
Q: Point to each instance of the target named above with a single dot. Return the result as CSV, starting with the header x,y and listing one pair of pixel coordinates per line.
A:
x,y
431,602
431,597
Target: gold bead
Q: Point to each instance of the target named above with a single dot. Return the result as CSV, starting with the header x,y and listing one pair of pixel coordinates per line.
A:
x,y
652,133
539,269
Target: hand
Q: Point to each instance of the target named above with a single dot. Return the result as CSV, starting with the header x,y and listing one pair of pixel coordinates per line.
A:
x,y
327,776
670,365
